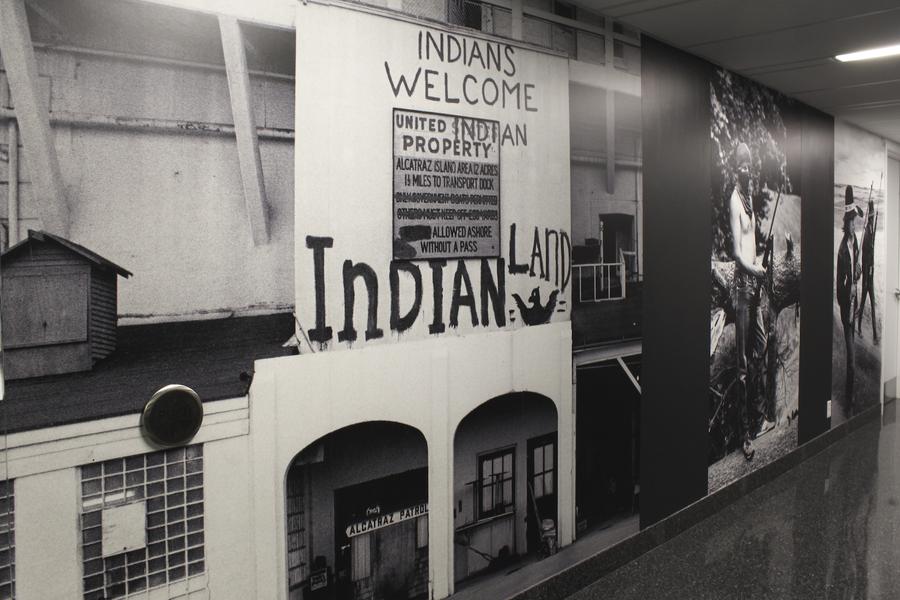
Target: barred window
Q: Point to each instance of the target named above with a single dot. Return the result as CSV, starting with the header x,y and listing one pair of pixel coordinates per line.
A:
x,y
123,556
7,542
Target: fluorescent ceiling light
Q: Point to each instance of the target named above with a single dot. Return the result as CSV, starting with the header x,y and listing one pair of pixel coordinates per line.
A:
x,y
869,54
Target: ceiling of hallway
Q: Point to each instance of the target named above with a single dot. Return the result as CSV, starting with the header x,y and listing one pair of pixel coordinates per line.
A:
x,y
789,45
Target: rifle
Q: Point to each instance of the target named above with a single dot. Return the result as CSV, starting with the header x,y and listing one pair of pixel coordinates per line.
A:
x,y
767,255
866,220
880,181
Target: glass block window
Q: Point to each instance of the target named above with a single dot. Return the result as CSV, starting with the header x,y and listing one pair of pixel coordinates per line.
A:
x,y
7,542
164,487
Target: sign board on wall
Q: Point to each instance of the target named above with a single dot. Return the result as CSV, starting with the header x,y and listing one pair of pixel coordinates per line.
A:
x,y
446,186
400,225
318,580
381,521
124,528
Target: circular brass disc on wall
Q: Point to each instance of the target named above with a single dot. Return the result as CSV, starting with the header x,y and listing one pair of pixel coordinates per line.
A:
x,y
172,416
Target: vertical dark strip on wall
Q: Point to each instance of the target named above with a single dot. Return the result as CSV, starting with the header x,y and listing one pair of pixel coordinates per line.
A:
x,y
677,282
816,287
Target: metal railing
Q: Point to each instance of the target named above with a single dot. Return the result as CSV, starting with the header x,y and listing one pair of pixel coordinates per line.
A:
x,y
602,281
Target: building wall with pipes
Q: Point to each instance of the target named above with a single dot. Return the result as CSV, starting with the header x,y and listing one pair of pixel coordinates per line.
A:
x,y
154,183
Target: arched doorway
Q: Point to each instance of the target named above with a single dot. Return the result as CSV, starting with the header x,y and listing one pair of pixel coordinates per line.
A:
x,y
505,484
357,515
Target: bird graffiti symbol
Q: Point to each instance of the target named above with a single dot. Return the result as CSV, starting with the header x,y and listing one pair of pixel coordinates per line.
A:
x,y
536,314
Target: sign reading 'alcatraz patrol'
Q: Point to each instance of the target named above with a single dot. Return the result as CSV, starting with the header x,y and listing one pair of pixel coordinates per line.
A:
x,y
380,521
446,186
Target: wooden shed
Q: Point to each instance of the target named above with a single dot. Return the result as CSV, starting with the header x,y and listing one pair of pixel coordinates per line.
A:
x,y
58,306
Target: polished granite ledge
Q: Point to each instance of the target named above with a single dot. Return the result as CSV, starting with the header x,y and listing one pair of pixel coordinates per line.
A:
x,y
582,574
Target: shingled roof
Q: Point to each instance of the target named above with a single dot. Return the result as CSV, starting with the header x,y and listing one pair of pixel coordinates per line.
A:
x,y
214,357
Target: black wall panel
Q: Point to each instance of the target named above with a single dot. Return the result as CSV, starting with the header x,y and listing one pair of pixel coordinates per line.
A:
x,y
677,241
816,287
677,246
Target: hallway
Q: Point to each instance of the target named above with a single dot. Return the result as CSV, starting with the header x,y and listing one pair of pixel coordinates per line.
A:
x,y
825,529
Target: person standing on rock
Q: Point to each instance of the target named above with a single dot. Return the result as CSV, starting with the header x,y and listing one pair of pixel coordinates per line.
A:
x,y
750,332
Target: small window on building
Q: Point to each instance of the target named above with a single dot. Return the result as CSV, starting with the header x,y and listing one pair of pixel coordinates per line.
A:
x,y
142,522
7,542
543,480
472,15
564,9
361,556
495,476
620,29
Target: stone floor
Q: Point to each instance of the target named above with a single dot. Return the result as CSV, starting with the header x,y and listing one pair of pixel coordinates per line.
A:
x,y
826,529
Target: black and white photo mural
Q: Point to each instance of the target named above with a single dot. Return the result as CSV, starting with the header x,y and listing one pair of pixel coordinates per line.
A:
x,y
755,271
859,159
607,302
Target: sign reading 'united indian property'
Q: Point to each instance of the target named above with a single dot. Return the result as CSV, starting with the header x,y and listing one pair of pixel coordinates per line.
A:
x,y
446,186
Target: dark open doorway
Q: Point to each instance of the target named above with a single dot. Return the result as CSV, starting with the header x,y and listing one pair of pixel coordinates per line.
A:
x,y
607,442
617,236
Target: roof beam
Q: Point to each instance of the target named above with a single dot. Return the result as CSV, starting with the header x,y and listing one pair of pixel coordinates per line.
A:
x,y
610,142
32,116
588,356
244,127
46,15
629,373
518,18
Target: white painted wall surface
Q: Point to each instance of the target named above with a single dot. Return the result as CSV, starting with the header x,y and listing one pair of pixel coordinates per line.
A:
x,y
168,206
47,536
228,509
279,13
344,175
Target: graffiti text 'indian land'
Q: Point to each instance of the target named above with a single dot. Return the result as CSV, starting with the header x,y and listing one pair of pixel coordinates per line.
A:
x,y
550,260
